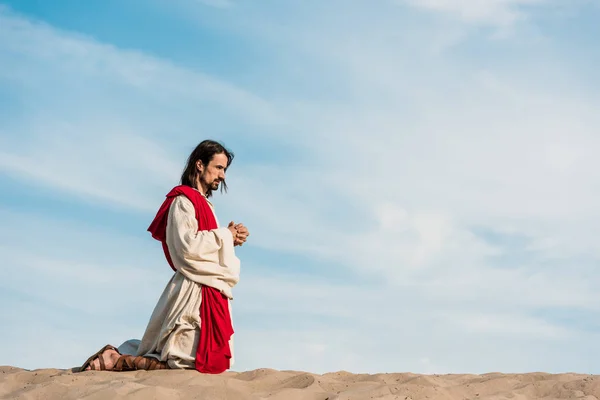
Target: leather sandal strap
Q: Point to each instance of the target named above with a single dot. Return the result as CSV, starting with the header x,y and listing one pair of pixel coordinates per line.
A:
x,y
122,364
102,365
140,362
132,363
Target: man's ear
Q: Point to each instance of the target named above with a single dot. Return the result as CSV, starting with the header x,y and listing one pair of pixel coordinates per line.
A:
x,y
200,166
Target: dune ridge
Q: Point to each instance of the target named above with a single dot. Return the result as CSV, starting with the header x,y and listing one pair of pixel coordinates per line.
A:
x,y
17,383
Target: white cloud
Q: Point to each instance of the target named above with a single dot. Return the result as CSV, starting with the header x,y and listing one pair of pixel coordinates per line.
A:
x,y
501,12
506,324
27,44
99,138
432,146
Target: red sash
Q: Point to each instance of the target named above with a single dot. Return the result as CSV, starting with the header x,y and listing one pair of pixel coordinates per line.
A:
x,y
213,355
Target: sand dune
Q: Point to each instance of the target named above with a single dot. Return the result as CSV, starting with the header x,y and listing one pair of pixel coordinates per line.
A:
x,y
16,383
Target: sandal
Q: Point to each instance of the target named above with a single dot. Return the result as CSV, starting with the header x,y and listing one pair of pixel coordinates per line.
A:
x,y
133,363
98,354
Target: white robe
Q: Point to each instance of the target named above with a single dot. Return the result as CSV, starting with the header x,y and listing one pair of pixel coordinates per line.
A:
x,y
200,258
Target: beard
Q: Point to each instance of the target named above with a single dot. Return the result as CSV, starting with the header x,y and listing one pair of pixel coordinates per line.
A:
x,y
214,185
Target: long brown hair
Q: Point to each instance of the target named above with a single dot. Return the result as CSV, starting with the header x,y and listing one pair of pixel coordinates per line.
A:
x,y
204,152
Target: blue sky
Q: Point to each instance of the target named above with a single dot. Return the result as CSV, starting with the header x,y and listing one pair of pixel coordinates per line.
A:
x,y
419,177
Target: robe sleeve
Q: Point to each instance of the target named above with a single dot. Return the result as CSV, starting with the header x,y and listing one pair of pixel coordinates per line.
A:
x,y
200,255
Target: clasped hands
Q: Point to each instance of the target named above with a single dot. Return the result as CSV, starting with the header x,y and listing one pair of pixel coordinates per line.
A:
x,y
240,233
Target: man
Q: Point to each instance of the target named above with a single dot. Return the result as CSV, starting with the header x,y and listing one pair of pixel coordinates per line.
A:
x,y
191,324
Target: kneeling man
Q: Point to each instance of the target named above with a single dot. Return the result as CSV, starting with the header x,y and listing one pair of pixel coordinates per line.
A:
x,y
191,325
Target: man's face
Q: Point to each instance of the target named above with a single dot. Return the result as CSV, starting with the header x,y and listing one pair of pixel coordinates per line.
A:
x,y
214,172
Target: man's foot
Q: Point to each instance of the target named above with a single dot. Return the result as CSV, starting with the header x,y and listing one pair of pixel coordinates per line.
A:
x,y
103,360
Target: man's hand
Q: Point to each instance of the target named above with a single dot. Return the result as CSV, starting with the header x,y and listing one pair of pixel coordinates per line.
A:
x,y
240,233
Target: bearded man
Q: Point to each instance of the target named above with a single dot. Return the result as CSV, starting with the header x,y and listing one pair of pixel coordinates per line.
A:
x,y
191,326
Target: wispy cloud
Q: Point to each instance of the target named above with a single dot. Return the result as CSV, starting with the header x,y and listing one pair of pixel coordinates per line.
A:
x,y
93,137
500,12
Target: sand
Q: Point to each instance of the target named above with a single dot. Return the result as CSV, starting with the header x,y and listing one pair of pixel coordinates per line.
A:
x,y
16,383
